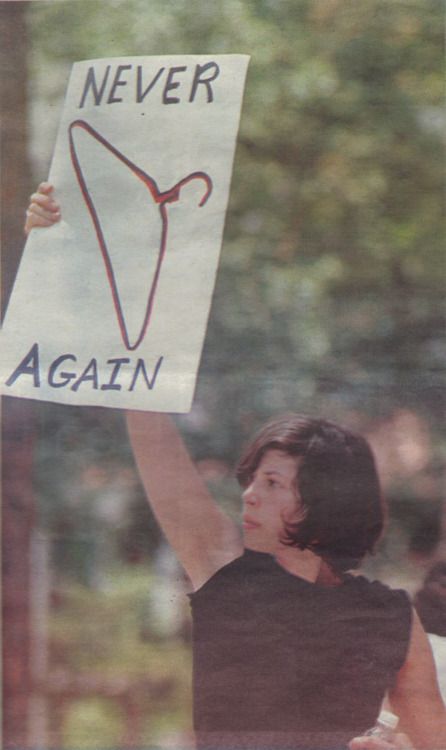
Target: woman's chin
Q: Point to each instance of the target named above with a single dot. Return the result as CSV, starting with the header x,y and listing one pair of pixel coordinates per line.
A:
x,y
255,544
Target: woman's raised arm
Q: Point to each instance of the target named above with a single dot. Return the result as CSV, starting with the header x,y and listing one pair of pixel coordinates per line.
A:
x,y
202,536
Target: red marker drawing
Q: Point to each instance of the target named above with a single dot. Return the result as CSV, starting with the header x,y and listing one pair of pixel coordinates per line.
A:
x,y
160,198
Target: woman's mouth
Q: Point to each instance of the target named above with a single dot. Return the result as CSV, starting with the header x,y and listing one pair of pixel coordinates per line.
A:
x,y
249,524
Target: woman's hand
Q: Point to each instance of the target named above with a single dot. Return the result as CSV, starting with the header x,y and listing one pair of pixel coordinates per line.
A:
x,y
43,210
399,742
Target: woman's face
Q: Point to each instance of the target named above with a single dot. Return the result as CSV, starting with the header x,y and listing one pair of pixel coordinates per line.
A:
x,y
270,499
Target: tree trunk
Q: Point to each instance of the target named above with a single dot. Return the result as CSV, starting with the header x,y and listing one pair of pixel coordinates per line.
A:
x,y
17,414
15,173
17,521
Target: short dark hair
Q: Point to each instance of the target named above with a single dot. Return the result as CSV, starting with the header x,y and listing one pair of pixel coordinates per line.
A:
x,y
337,482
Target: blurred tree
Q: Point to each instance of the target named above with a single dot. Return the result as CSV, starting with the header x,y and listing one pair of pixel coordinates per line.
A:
x,y
328,296
15,174
17,416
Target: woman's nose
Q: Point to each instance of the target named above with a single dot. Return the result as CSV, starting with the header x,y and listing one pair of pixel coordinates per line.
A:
x,y
250,496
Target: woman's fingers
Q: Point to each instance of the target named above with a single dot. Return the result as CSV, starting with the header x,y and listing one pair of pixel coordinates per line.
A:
x,y
45,187
38,214
38,217
371,743
45,200
43,210
398,742
34,219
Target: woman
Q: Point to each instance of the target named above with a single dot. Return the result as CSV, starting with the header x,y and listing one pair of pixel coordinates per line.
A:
x,y
290,651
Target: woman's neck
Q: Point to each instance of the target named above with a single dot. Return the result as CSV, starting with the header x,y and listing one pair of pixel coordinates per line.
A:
x,y
302,563
305,564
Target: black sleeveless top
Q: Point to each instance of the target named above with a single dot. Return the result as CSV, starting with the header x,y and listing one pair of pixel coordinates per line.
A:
x,y
280,662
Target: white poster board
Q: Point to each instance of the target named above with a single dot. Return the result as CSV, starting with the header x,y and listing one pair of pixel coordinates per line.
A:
x,y
110,305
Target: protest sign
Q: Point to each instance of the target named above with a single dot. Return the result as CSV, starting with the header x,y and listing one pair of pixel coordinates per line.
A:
x,y
110,305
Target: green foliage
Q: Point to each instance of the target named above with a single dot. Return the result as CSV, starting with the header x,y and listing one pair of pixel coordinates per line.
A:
x,y
92,723
328,299
329,295
88,495
100,634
